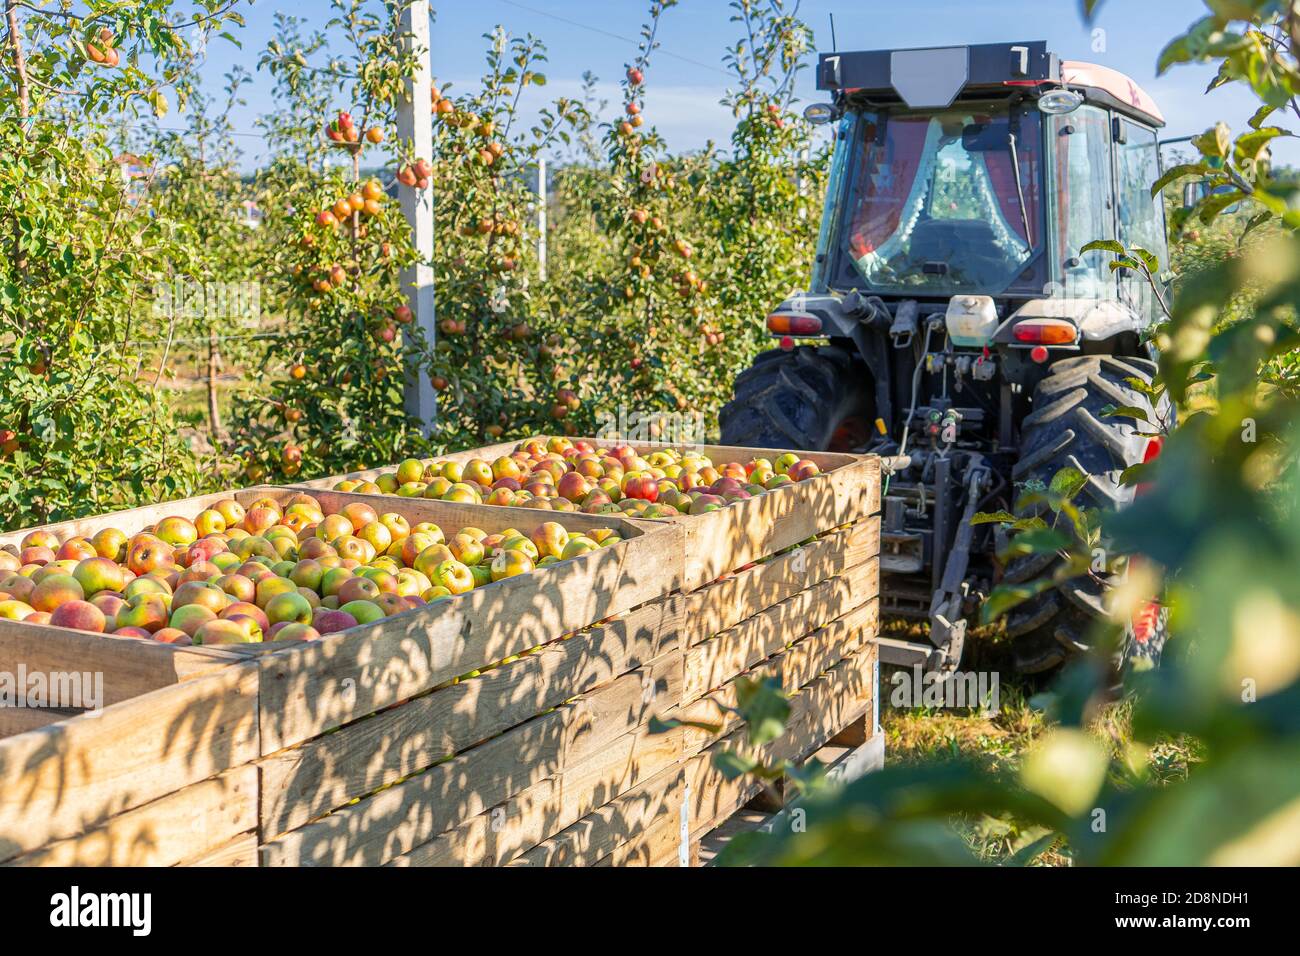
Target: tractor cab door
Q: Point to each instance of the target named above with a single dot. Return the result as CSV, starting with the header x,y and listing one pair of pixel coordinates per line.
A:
x,y
1083,199
1140,218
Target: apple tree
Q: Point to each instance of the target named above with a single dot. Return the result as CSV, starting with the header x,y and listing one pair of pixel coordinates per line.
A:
x,y
329,397
82,426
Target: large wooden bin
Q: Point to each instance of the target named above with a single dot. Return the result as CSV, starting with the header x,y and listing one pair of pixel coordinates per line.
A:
x,y
377,746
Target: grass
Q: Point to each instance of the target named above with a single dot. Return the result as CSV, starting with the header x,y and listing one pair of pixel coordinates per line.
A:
x,y
999,740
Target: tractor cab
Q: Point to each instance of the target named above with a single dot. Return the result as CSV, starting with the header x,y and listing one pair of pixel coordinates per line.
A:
x,y
984,171
957,323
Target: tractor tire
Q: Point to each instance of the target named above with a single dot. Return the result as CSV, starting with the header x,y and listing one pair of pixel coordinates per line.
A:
x,y
811,399
1066,429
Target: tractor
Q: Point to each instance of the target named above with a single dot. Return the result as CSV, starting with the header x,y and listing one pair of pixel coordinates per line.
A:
x,y
959,326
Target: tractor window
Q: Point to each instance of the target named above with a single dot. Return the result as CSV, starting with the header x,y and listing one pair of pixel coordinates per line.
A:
x,y
946,202
1084,205
1141,218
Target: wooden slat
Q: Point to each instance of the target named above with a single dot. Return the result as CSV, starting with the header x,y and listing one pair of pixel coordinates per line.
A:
x,y
412,812
726,603
714,662
725,540
621,822
241,852
192,821
820,710
126,667
19,720
503,832
303,782
67,778
830,703
792,667
313,687
658,845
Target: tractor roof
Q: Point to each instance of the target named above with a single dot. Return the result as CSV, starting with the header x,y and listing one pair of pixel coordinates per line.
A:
x,y
935,77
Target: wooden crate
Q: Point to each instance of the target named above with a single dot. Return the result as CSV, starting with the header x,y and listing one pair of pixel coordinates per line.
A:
x,y
719,542
364,752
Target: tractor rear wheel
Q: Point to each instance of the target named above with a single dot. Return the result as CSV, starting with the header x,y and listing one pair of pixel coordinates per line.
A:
x,y
813,399
1066,429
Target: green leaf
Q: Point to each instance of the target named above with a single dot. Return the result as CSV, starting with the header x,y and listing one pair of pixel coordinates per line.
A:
x,y
1125,411
1007,518
1175,173
1250,145
1215,141
1067,482
1004,597
733,765
1104,245
1035,541
764,707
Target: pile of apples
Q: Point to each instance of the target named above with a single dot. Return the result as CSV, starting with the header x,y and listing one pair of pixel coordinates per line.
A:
x,y
269,572
558,474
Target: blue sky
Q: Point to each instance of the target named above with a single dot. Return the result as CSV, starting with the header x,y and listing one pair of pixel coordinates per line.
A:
x,y
687,79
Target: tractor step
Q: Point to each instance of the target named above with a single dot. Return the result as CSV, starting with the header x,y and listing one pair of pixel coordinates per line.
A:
x,y
902,653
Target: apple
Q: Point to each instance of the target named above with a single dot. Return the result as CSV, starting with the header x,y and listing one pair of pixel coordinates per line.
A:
x,y
14,610
202,593
81,615
332,622
55,590
365,612
238,586
75,549
177,532
149,554
147,584
291,607
110,605
100,574
454,576
147,612
294,631
190,618
235,630
168,635
802,470
357,589
246,609
578,545
466,548
510,563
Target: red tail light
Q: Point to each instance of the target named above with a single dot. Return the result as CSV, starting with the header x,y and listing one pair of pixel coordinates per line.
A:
x,y
1154,447
1046,332
788,323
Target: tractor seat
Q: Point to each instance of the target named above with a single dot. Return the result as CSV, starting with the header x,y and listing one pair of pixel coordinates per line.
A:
x,y
950,240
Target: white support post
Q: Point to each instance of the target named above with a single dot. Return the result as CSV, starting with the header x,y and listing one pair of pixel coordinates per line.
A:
x,y
415,125
542,199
